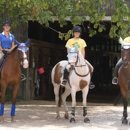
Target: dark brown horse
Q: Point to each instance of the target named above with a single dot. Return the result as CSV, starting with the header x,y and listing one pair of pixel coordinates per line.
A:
x,y
11,74
124,79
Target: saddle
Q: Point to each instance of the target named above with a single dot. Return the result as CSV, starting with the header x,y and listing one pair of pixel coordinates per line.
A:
x,y
3,58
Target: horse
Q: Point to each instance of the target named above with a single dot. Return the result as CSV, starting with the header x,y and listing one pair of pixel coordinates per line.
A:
x,y
124,79
78,80
11,74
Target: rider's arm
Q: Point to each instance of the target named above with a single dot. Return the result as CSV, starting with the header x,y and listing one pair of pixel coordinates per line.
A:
x,y
13,46
13,42
0,43
83,52
68,51
0,46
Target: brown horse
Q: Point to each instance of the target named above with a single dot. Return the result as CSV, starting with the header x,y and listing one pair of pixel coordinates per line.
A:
x,y
11,74
124,78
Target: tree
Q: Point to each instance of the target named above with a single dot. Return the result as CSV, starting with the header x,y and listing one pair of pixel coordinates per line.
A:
x,y
44,11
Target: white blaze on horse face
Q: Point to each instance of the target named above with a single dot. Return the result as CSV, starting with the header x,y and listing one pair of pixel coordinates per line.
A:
x,y
25,61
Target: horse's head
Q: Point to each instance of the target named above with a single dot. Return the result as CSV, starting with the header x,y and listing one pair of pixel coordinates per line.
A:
x,y
125,53
23,53
73,55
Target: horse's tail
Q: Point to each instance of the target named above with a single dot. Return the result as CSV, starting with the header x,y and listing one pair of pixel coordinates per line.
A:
x,y
117,99
60,93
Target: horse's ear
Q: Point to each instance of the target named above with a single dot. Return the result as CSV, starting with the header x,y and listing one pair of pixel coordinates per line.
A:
x,y
121,41
17,42
27,42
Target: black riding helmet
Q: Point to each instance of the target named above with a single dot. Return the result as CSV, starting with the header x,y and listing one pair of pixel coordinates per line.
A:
x,y
6,23
128,28
77,29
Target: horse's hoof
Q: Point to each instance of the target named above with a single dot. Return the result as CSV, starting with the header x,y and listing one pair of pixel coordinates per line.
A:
x,y
13,120
72,120
58,117
122,118
125,121
86,120
66,116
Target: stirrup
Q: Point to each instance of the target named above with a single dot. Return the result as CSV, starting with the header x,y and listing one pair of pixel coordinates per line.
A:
x,y
115,80
23,77
91,85
63,83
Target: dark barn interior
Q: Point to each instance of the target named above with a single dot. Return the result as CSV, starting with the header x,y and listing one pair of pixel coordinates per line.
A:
x,y
101,51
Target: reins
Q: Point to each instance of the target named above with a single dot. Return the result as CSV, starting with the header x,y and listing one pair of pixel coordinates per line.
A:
x,y
17,60
80,66
123,72
80,74
127,79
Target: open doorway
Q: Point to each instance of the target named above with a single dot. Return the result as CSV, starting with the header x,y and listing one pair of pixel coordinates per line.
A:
x,y
102,52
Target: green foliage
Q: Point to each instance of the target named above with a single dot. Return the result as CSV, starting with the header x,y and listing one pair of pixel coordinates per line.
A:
x,y
20,11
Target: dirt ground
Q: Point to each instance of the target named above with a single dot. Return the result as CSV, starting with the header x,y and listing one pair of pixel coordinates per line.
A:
x,y
40,115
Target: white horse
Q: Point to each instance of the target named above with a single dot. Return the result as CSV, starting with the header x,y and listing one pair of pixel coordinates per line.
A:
x,y
79,79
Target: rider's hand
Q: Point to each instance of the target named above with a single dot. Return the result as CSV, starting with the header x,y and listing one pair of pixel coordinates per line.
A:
x,y
1,48
14,46
5,52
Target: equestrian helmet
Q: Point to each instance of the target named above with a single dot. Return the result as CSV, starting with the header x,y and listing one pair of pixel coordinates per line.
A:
x,y
128,28
6,23
77,29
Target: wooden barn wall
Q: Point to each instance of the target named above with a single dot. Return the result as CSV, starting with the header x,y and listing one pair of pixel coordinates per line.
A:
x,y
46,55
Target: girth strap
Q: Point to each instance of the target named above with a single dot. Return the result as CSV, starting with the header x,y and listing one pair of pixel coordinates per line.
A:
x,y
80,74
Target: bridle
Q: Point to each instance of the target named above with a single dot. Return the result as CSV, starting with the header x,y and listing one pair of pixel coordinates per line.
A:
x,y
125,63
78,59
21,60
126,58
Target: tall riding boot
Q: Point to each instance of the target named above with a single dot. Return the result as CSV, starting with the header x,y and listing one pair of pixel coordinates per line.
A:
x,y
65,77
115,73
91,85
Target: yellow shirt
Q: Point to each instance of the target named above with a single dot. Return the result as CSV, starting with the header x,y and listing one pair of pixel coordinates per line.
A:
x,y
70,43
127,40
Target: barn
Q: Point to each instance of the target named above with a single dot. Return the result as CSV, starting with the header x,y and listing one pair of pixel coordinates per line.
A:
x,y
46,49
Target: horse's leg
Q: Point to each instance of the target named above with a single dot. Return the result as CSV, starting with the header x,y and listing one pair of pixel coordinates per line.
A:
x,y
84,95
125,115
73,94
64,96
13,107
3,90
124,118
56,91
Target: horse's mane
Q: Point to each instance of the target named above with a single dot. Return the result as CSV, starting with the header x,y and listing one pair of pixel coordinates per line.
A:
x,y
13,50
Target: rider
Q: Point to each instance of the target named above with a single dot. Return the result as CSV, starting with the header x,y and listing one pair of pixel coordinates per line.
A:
x,y
119,63
82,44
7,41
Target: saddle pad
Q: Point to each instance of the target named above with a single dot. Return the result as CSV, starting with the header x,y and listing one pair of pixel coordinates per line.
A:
x,y
2,63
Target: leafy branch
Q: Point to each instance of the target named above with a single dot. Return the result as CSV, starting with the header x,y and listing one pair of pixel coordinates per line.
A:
x,y
43,11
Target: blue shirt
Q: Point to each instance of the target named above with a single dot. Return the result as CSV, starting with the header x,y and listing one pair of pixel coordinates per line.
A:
x,y
6,42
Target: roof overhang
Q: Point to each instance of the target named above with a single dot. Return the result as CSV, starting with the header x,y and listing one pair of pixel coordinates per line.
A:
x,y
106,18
